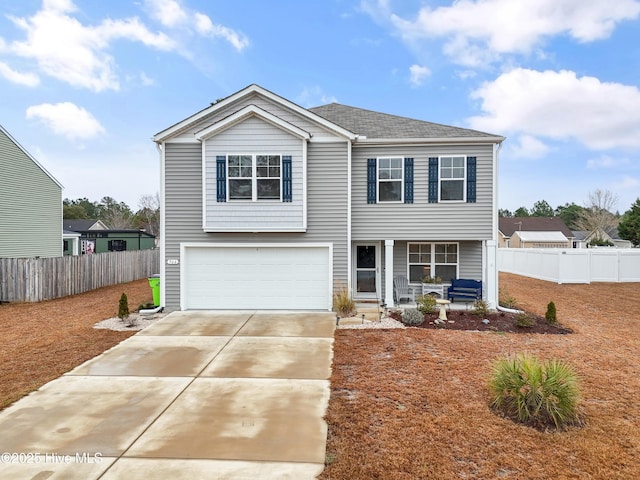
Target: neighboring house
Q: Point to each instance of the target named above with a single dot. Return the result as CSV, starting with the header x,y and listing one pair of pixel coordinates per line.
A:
x,y
95,237
30,204
583,239
269,205
534,232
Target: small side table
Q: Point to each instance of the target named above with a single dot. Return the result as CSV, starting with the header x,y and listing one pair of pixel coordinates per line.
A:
x,y
443,309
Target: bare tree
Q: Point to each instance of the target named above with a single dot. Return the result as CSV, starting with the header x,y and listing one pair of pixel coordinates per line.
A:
x,y
597,215
148,216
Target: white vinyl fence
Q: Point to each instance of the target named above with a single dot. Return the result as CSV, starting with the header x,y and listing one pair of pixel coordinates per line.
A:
x,y
573,265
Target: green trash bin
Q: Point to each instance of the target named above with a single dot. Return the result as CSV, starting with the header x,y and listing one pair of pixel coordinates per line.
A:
x,y
154,283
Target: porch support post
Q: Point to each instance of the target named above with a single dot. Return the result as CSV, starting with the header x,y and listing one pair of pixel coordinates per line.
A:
x,y
491,292
388,273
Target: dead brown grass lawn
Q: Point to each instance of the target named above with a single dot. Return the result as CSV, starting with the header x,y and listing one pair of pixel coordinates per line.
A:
x,y
41,341
413,404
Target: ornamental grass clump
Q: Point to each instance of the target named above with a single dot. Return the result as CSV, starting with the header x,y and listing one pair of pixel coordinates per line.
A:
x,y
540,394
343,304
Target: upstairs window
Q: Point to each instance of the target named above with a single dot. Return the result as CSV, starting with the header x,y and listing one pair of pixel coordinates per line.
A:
x,y
254,177
390,178
240,177
268,177
452,178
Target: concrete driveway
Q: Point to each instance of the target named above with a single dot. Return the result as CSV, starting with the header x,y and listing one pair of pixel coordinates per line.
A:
x,y
196,395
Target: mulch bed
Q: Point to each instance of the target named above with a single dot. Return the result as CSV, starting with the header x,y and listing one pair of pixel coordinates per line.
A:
x,y
505,322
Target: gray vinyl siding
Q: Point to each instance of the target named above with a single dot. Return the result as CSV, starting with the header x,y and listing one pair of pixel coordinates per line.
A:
x,y
254,136
434,221
30,206
259,101
326,211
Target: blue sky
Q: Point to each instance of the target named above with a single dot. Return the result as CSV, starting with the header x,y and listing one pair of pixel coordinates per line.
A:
x,y
84,84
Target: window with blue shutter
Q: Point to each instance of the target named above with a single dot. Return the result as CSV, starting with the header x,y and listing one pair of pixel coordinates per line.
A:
x,y
408,180
221,178
471,179
371,180
433,180
287,194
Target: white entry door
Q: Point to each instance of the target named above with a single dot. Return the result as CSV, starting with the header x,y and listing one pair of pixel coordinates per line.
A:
x,y
367,269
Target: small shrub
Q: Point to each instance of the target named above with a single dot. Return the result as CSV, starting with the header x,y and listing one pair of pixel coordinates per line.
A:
x,y
430,279
535,393
412,316
551,314
123,307
426,304
524,320
505,299
480,308
343,304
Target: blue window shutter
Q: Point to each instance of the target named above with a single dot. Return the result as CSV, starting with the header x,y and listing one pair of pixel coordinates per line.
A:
x,y
433,180
371,180
408,180
287,194
221,178
471,179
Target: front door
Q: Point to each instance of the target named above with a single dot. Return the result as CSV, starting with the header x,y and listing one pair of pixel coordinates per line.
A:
x,y
366,276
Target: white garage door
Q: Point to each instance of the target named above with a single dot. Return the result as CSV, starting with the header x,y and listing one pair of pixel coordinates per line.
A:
x,y
256,277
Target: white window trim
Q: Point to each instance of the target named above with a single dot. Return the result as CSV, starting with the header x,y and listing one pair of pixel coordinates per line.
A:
x,y
464,180
401,179
433,263
254,178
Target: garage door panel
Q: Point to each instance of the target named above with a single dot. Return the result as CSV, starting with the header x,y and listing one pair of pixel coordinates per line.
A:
x,y
292,277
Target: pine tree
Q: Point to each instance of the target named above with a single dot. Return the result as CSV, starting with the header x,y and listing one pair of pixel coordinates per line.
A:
x,y
123,307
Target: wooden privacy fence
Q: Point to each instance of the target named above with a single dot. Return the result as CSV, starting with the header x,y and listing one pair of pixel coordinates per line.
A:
x,y
576,265
36,279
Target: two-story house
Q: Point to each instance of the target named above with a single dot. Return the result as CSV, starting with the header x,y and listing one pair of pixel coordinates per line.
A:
x,y
268,205
30,204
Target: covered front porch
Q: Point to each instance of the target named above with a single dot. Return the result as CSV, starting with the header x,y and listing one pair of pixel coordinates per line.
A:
x,y
375,265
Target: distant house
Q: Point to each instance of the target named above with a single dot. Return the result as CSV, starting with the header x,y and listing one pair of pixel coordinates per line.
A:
x,y
30,204
534,232
96,237
583,239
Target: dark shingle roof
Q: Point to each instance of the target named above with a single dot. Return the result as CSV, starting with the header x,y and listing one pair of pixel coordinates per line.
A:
x,y
508,225
78,225
382,125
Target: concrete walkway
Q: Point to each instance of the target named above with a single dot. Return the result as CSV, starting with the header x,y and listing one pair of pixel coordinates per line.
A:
x,y
222,395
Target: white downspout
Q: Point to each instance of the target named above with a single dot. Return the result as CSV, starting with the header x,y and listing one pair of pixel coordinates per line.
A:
x,y
163,230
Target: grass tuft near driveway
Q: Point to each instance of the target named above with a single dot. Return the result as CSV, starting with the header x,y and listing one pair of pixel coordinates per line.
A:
x,y
414,403
43,340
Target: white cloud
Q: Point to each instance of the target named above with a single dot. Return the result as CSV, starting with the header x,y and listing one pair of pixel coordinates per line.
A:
x,y
27,79
528,147
606,161
418,74
477,31
169,13
560,105
172,14
314,96
77,54
627,183
66,119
